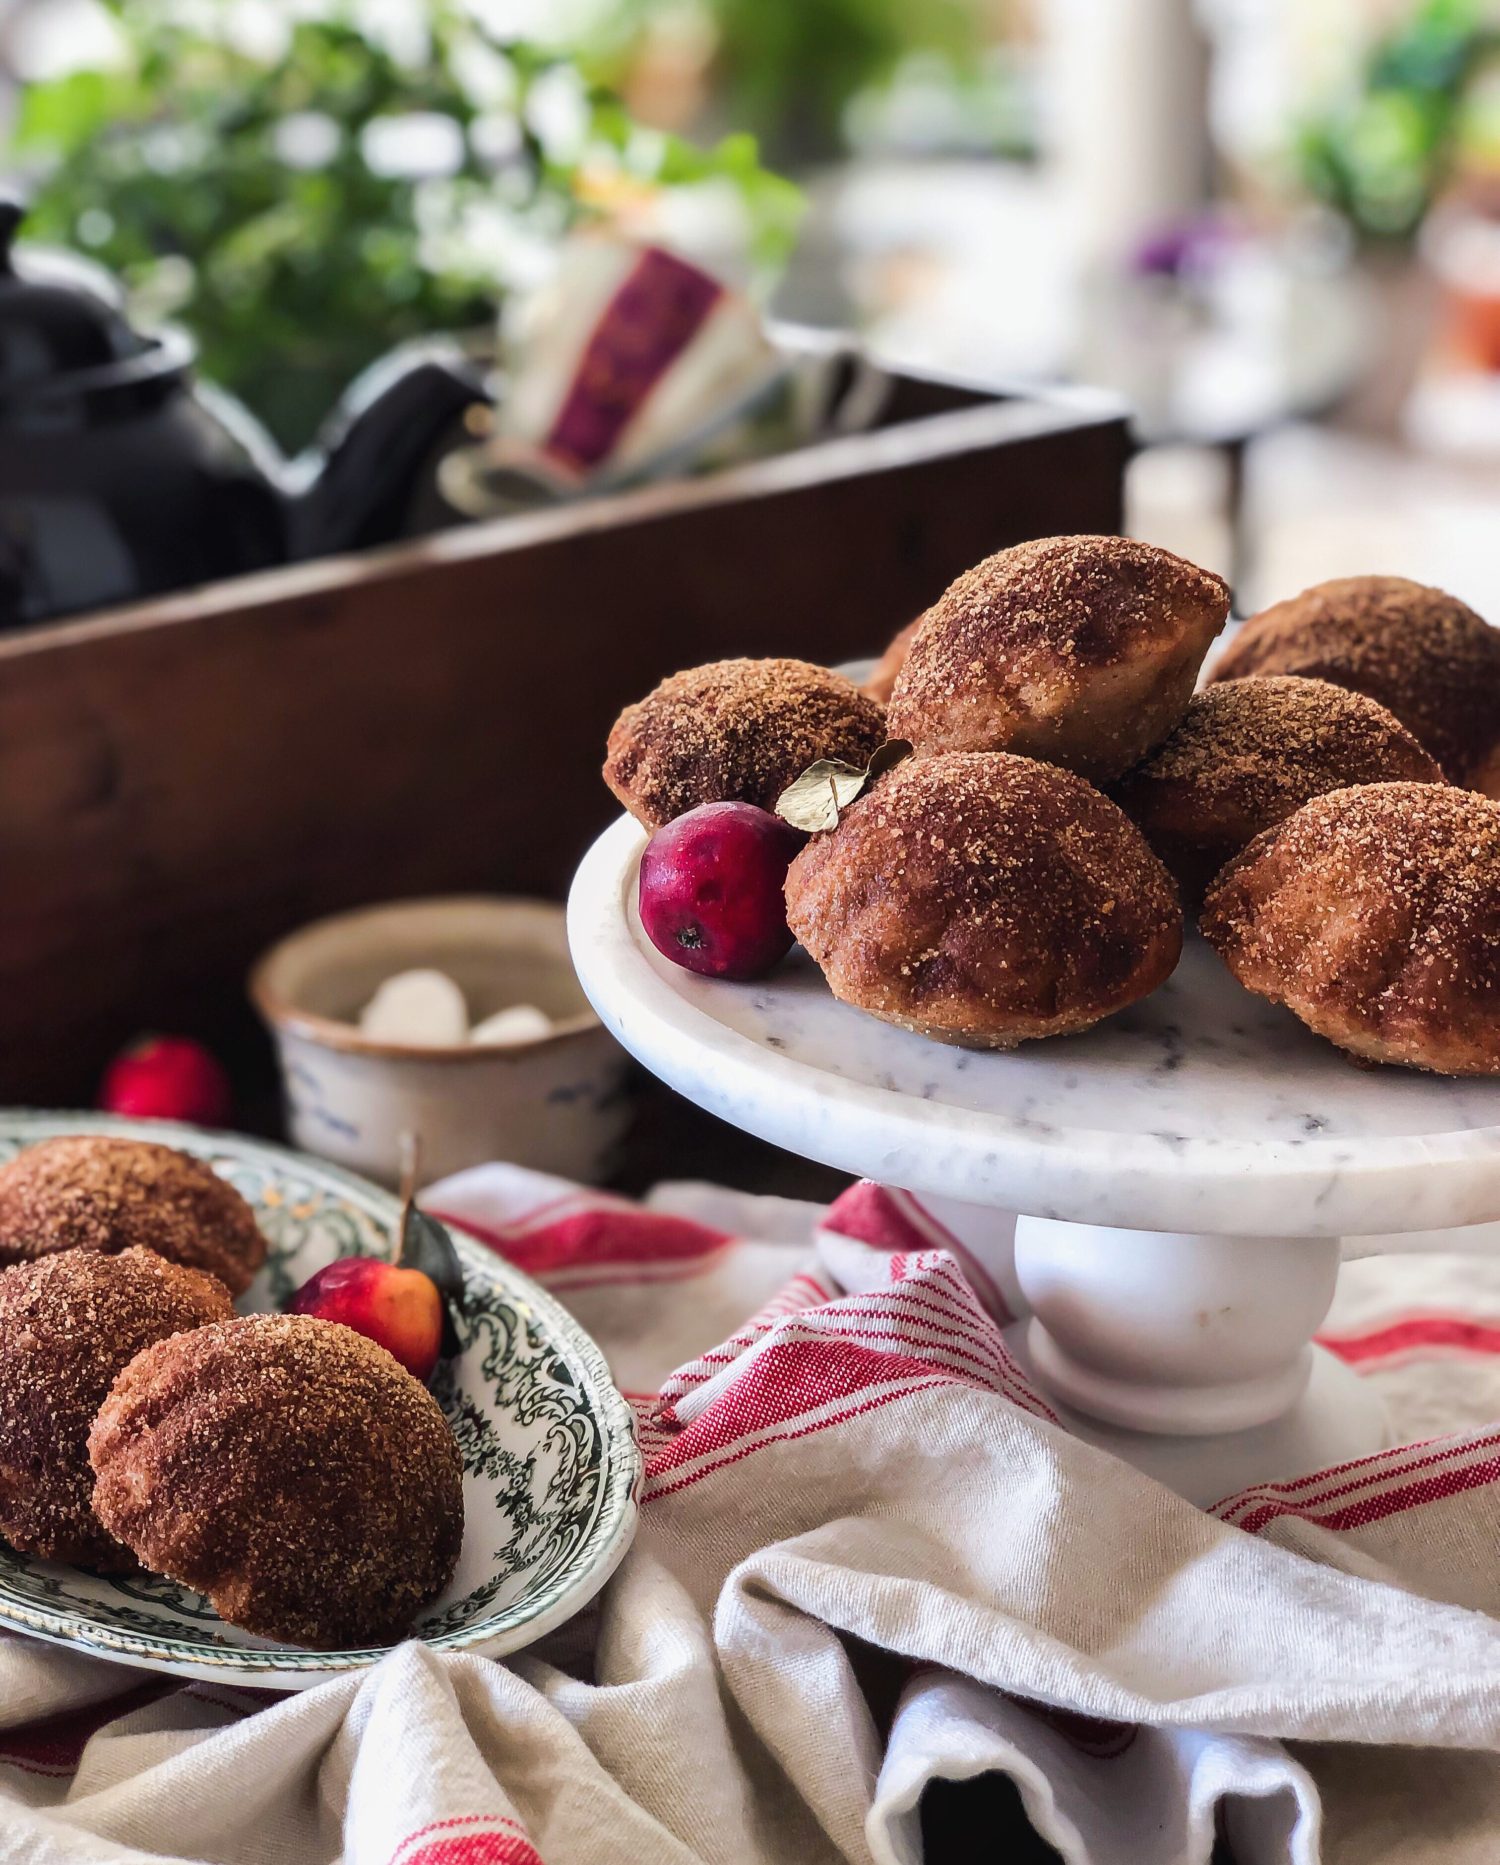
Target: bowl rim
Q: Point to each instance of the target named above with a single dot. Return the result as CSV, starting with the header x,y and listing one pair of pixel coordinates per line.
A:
x,y
284,1016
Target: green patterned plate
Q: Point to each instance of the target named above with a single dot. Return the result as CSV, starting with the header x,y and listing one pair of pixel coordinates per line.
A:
x,y
551,1467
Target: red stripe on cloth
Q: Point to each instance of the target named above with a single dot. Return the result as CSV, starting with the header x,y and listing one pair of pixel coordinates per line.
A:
x,y
598,1234
926,1302
960,1319
795,1297
1366,1472
920,1336
918,1342
1366,1510
55,1745
933,1283
978,1277
654,1492
504,1843
1415,1332
475,1849
658,309
868,1213
889,1219
786,1380
926,1311
972,1357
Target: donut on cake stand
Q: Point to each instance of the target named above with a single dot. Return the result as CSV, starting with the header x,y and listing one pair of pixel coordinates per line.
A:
x,y
1182,1179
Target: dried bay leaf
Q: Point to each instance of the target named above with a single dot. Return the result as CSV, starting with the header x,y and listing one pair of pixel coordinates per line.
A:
x,y
814,801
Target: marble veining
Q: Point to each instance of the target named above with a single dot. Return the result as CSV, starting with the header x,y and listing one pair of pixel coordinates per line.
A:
x,y
1202,1107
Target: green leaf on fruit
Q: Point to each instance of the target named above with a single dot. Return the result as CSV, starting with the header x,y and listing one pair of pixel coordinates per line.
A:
x,y
426,1245
814,801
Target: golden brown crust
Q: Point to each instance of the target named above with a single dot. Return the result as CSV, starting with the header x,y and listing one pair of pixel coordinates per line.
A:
x,y
1373,914
985,900
291,1470
883,674
735,731
1079,650
1420,653
96,1192
69,1323
1249,753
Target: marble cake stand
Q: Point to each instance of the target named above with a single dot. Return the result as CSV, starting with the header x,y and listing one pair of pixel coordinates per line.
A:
x,y
1187,1176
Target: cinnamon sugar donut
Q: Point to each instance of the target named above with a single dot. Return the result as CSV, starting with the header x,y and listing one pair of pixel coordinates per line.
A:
x,y
291,1470
1079,650
735,732
1420,653
984,900
1249,753
69,1323
1373,914
96,1191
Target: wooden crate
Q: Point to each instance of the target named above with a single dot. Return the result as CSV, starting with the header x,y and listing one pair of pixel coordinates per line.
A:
x,y
183,781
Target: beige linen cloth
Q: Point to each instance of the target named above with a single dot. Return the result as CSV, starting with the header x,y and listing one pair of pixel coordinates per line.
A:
x,y
869,1563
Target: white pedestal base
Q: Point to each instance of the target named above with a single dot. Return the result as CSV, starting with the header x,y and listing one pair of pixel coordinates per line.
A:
x,y
1190,1356
1337,1417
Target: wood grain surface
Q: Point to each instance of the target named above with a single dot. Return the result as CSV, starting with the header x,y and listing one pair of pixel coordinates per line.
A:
x,y
181,783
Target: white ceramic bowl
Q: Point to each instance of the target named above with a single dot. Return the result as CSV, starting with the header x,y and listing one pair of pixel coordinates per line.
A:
x,y
555,1103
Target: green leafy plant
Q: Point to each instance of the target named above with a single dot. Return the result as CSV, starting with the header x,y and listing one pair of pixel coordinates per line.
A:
x,y
792,68
303,207
1382,153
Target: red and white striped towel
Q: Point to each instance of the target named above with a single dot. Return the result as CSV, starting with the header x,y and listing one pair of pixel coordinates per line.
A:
x,y
871,1563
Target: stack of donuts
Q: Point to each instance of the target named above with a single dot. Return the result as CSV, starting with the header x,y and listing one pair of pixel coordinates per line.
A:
x,y
1325,805
286,1467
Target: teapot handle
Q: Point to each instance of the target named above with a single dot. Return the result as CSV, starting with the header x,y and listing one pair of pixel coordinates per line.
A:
x,y
12,213
358,487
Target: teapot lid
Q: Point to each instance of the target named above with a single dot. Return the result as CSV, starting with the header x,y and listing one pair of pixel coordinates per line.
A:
x,y
55,321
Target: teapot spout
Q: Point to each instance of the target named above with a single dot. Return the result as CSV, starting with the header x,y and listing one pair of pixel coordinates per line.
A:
x,y
363,483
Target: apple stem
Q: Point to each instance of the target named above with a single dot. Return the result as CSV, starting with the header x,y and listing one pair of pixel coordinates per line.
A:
x,y
410,1145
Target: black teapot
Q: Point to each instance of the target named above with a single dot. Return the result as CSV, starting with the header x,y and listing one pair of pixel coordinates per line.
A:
x,y
120,477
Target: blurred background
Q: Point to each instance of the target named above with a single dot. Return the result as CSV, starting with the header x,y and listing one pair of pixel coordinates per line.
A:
x,y
838,295
1272,225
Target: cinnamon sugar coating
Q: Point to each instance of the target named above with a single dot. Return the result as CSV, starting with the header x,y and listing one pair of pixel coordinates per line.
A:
x,y
69,1324
1249,753
97,1192
984,900
735,731
1079,650
1373,914
1420,653
289,1469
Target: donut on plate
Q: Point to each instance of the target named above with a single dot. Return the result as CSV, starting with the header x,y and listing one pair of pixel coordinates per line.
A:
x,y
735,731
1250,752
1373,914
985,900
69,1324
1422,654
1079,650
95,1191
289,1469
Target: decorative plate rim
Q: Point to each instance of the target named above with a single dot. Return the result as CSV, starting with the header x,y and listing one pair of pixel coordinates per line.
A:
x,y
528,1618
